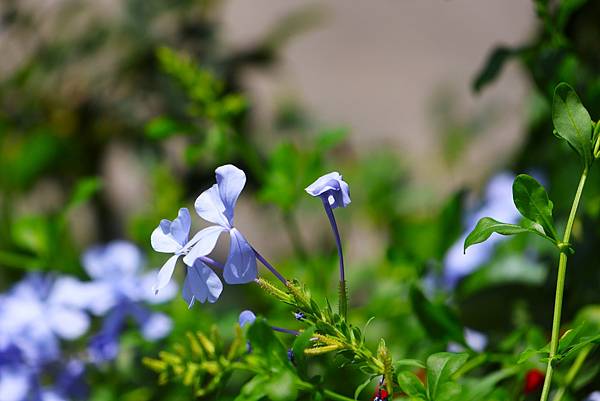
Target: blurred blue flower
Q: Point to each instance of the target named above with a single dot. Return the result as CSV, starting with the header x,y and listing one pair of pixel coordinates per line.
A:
x,y
475,340
34,315
119,289
217,205
497,203
40,310
246,317
595,396
332,188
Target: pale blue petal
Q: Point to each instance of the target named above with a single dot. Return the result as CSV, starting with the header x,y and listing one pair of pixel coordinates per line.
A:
x,y
186,292
202,283
210,207
324,183
476,340
68,323
48,395
100,297
180,228
205,241
595,396
231,181
157,326
240,267
69,291
162,240
165,273
14,384
333,188
246,317
112,261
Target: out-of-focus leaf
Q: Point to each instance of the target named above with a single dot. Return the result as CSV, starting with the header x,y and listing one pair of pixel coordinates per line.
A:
x,y
481,388
565,9
164,127
254,390
362,386
506,269
437,319
493,66
572,122
84,190
440,368
532,201
31,233
302,342
265,344
411,385
281,386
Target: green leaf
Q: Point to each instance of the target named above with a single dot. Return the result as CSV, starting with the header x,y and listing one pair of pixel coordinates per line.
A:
x,y
281,387
266,345
487,226
362,386
440,368
493,66
532,201
437,319
302,342
572,122
84,190
164,127
253,390
480,388
411,385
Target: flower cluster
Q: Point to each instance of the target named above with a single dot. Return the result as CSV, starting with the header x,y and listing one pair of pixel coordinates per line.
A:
x,y
42,312
215,205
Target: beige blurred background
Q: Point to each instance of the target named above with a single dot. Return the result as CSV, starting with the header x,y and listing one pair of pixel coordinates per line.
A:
x,y
377,67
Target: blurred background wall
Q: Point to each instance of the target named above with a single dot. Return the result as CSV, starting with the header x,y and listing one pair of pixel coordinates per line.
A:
x,y
387,69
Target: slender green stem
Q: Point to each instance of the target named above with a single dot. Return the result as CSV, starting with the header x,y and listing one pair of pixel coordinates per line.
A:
x,y
572,372
560,286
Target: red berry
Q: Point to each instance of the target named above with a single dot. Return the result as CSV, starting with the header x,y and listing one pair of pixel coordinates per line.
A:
x,y
381,394
533,381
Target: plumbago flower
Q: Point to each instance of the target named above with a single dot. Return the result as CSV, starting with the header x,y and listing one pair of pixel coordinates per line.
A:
x,y
215,205
332,188
334,193
120,289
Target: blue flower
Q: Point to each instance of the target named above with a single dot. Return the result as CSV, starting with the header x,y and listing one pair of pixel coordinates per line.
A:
x,y
34,315
595,396
246,317
40,310
172,237
332,188
217,205
119,289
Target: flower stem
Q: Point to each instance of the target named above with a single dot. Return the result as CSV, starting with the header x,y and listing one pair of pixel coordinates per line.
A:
x,y
560,285
286,331
343,297
270,267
